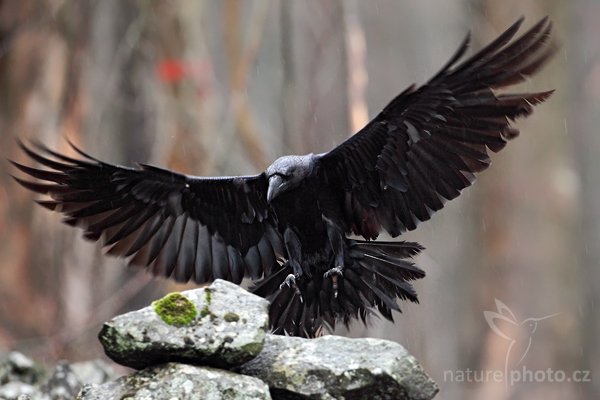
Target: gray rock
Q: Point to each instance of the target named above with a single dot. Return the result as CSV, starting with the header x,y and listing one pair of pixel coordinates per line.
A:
x,y
334,367
20,391
179,381
221,325
63,384
16,367
94,371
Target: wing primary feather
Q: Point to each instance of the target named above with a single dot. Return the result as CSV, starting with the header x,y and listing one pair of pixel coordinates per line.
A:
x,y
267,256
147,232
83,154
167,257
159,239
253,263
488,51
184,268
43,160
51,176
220,267
203,265
236,265
133,225
76,162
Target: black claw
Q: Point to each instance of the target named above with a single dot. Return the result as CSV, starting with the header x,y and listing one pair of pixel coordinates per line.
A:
x,y
334,273
290,281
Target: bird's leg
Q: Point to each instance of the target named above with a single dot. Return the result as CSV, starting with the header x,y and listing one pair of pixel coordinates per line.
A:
x,y
336,240
290,280
294,252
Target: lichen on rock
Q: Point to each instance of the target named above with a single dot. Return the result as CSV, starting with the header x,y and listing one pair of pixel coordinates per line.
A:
x,y
175,309
211,336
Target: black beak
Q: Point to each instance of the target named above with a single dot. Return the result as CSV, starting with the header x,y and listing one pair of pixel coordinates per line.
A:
x,y
276,186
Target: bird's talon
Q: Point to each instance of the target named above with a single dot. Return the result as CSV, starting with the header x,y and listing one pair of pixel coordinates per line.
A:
x,y
339,270
290,281
334,273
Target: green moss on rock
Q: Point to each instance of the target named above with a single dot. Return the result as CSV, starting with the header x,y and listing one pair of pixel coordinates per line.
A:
x,y
206,309
175,309
253,348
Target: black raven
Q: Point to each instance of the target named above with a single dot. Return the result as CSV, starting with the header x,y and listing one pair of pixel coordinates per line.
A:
x,y
289,226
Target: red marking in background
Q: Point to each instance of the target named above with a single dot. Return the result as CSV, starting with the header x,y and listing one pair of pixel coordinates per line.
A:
x,y
176,70
171,70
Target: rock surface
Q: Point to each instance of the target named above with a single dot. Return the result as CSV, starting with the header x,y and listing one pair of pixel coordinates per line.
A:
x,y
182,339
16,367
334,367
63,383
21,391
23,379
179,381
93,371
228,329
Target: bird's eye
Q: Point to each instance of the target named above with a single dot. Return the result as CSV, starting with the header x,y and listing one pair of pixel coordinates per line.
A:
x,y
281,174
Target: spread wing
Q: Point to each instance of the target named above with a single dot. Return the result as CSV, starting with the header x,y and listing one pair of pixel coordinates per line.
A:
x,y
426,145
179,226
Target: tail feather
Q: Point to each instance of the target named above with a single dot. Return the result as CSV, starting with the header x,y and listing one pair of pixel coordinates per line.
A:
x,y
393,249
375,275
269,284
388,300
404,290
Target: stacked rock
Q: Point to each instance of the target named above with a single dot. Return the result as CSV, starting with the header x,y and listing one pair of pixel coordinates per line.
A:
x,y
212,343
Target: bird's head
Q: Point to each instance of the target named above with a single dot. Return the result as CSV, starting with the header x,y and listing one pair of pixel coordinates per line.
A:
x,y
288,172
531,324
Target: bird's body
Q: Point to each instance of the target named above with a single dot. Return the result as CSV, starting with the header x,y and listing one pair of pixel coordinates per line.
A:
x,y
290,228
327,276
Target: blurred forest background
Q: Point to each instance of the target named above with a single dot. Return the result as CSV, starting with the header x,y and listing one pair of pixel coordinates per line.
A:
x,y
224,87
